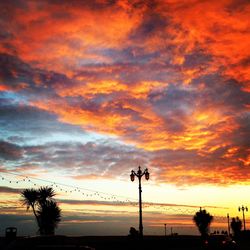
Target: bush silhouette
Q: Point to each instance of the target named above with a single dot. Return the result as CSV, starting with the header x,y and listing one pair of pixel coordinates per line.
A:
x,y
236,225
203,220
133,233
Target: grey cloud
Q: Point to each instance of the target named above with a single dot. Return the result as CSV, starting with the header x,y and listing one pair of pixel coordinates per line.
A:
x,y
10,190
105,157
21,76
20,123
10,151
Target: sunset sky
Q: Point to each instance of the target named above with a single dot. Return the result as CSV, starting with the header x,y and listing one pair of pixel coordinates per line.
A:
x,y
91,89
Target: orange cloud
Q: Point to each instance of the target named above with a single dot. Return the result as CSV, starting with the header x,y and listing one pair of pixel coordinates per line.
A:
x,y
140,90
111,118
218,27
80,33
183,175
59,38
4,88
173,75
92,88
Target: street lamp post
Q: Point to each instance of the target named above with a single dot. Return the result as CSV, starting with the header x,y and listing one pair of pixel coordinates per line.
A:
x,y
243,211
165,225
139,175
228,225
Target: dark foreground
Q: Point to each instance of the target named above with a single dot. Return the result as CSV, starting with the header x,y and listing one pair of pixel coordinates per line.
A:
x,y
116,242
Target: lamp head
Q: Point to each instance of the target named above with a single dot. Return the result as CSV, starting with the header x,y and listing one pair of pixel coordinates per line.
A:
x,y
132,176
146,174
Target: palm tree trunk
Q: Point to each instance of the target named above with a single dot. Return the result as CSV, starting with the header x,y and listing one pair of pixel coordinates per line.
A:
x,y
37,218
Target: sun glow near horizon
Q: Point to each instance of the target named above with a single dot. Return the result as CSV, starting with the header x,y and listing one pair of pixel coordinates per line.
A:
x,y
104,205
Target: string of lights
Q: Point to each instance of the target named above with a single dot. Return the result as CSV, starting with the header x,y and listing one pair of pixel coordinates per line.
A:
x,y
85,193
65,189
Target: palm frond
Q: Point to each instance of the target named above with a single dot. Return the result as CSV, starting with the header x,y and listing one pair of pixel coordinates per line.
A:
x,y
46,193
29,197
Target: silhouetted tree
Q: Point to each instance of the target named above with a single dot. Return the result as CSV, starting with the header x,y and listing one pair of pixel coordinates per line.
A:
x,y
236,225
133,233
45,194
49,215
45,209
29,197
203,220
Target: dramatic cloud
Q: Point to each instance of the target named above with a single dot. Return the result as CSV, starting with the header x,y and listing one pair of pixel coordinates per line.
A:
x,y
101,86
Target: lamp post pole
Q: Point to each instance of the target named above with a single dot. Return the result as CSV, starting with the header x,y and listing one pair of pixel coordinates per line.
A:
x,y
243,211
139,175
140,208
228,225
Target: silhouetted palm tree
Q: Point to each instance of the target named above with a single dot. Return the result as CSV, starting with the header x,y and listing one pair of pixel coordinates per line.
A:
x,y
29,197
49,215
236,225
45,194
203,220
45,209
